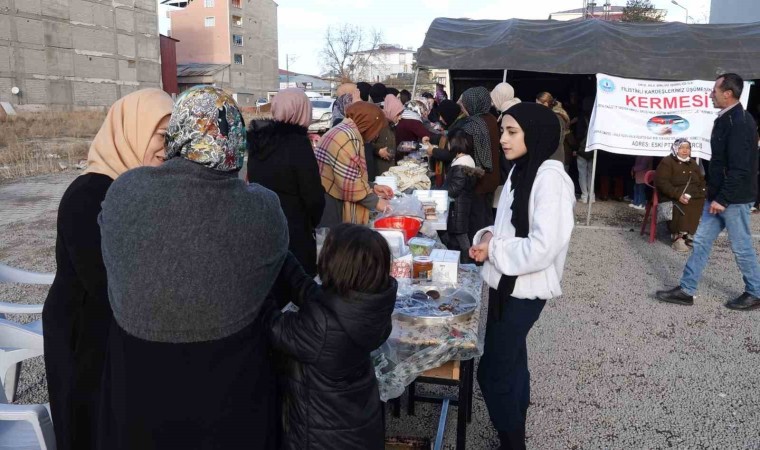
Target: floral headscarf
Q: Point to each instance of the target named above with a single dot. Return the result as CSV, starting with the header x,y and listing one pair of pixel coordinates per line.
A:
x,y
339,108
676,145
207,128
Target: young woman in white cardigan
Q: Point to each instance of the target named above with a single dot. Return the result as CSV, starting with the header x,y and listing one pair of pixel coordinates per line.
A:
x,y
523,255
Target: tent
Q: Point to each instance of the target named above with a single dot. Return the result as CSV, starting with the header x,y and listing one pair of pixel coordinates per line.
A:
x,y
657,51
653,51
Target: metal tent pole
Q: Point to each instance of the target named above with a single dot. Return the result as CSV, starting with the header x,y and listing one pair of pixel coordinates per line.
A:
x,y
504,78
591,193
414,88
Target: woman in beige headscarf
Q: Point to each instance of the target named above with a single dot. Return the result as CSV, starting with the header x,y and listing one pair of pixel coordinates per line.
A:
x,y
77,315
503,97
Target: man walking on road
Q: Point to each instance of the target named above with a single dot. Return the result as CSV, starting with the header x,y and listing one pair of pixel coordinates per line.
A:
x,y
731,192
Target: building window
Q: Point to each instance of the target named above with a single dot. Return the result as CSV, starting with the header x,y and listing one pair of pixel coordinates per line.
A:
x,y
238,58
236,4
402,58
237,40
237,21
210,21
209,3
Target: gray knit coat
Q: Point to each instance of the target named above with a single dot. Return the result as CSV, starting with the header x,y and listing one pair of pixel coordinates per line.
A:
x,y
191,254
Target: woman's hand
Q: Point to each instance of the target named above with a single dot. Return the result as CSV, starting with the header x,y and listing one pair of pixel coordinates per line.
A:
x,y
684,200
383,152
384,192
383,205
425,140
480,252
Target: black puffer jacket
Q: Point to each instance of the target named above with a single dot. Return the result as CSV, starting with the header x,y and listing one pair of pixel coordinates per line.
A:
x,y
281,158
460,182
331,399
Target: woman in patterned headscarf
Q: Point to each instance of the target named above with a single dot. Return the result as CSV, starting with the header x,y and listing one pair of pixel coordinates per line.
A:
x,y
681,179
484,129
191,255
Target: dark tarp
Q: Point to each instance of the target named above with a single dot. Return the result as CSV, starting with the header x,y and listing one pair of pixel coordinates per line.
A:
x,y
656,51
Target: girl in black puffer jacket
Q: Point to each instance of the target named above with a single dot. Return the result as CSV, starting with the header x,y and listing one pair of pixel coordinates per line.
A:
x,y
460,182
331,399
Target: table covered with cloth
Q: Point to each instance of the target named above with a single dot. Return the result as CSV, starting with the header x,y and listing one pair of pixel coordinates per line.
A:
x,y
413,349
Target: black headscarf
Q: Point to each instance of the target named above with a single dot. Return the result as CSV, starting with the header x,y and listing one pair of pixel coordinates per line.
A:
x,y
377,92
364,88
449,110
542,131
477,101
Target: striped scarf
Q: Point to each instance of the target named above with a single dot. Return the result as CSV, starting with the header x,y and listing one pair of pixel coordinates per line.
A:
x,y
343,169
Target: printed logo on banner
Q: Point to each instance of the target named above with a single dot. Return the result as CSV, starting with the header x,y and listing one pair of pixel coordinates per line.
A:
x,y
667,124
607,85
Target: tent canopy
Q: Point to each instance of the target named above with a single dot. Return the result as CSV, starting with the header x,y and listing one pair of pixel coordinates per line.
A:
x,y
656,51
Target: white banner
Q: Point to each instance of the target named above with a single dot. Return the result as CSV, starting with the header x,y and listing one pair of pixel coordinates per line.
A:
x,y
641,117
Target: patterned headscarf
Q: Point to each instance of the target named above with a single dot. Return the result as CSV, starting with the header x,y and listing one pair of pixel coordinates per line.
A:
x,y
207,128
676,145
416,110
477,101
339,108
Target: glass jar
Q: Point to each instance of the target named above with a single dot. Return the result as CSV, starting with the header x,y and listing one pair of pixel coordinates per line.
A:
x,y
422,268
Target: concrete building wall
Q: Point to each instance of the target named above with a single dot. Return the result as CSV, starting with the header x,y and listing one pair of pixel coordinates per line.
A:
x,y
77,53
735,11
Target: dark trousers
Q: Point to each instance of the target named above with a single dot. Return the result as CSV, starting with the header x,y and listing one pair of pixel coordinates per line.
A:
x,y
503,372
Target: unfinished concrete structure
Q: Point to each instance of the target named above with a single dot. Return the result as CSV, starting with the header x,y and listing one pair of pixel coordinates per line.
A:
x,y
230,43
76,53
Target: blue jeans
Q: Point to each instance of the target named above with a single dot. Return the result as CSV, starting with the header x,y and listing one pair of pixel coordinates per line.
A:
x,y
639,194
735,219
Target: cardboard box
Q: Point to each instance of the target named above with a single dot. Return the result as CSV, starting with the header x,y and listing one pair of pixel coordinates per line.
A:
x,y
445,266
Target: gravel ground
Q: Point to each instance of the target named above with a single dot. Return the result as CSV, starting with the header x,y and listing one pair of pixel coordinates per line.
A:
x,y
611,368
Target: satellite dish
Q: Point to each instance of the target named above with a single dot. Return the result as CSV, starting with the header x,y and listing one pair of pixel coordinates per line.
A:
x,y
15,90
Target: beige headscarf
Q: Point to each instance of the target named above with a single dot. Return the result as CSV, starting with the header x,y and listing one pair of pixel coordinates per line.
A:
x,y
292,106
122,141
503,97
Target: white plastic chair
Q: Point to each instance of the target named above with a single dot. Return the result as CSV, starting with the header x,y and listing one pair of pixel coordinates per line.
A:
x,y
12,275
22,427
9,274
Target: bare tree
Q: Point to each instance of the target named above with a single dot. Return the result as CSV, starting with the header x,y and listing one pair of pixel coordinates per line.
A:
x,y
348,51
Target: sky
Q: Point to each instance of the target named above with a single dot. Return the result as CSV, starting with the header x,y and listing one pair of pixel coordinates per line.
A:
x,y
302,23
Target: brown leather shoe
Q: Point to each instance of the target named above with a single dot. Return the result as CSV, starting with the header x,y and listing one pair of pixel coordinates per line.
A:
x,y
744,302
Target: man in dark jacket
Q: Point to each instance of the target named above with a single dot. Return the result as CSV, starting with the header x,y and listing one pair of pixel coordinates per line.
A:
x,y
731,191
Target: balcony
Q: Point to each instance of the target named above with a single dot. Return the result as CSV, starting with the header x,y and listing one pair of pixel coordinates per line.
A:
x,y
236,4
237,21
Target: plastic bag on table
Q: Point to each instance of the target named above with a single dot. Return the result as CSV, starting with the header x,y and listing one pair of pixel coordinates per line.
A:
x,y
407,205
320,234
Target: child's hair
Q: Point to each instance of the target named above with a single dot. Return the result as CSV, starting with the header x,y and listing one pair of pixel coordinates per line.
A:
x,y
354,258
460,142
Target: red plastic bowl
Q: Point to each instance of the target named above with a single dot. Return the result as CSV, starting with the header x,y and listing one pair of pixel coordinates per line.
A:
x,y
410,226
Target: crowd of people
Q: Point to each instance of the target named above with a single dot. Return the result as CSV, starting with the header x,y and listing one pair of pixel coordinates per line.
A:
x,y
164,327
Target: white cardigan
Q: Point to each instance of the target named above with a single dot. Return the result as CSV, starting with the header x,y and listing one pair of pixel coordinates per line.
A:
x,y
539,259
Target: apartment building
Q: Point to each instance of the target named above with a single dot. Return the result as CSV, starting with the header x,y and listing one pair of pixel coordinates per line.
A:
x,y
387,61
229,43
67,54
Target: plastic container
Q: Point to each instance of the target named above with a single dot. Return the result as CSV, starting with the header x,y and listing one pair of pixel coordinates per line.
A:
x,y
420,246
395,239
410,226
422,268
